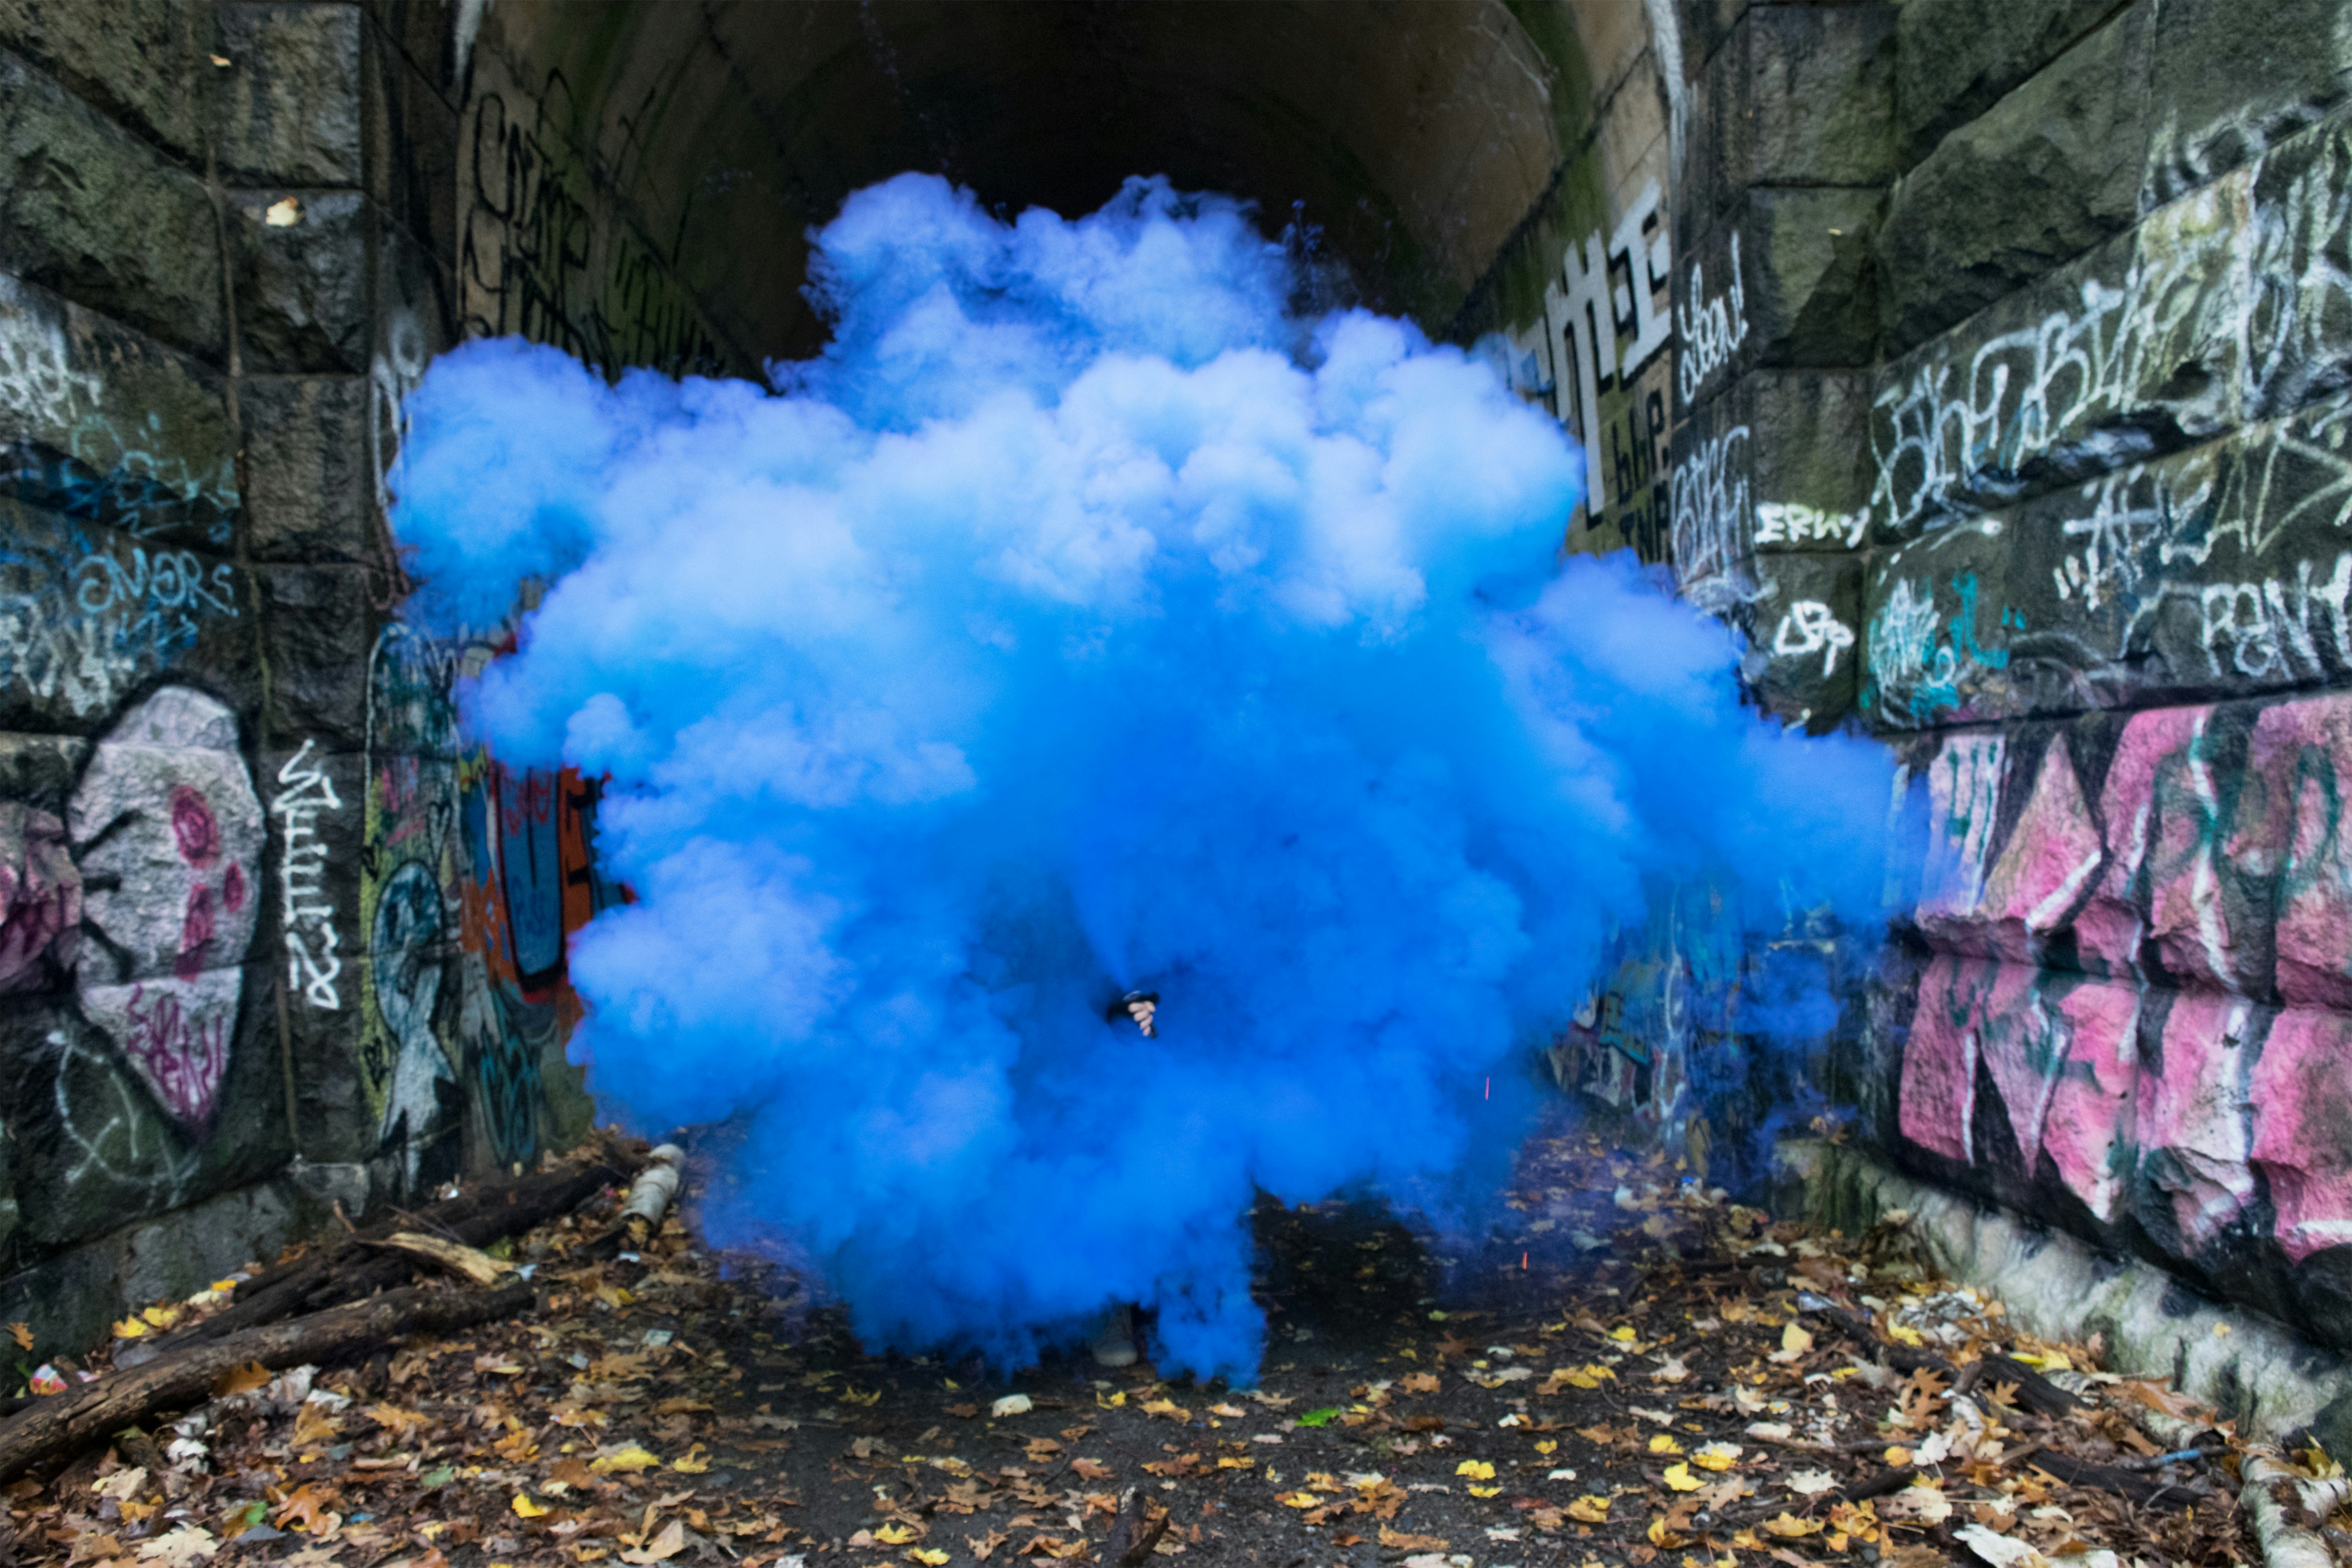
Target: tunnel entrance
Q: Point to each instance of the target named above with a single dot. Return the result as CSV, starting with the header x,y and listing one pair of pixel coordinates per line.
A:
x,y
638,181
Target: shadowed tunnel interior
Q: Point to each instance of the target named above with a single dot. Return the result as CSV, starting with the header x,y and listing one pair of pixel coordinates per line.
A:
x,y
1414,139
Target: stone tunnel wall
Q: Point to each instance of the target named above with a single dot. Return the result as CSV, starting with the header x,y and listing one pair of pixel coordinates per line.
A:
x,y
271,940
2011,390
1984,361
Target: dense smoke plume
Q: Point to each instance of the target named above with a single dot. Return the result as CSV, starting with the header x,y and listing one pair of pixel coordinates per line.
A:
x,y
1085,620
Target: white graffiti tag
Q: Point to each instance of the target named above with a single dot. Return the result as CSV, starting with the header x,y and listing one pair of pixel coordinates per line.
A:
x,y
1811,626
308,910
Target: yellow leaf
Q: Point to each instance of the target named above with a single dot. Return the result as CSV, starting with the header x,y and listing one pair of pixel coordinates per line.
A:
x,y
23,1334
627,1461
1486,1491
1476,1469
1623,1335
930,1554
1113,1402
1546,1446
526,1508
1679,1478
693,1463
1168,1408
1716,1455
1903,1333
239,1379
1897,1456
1788,1527
894,1535
162,1317
128,1329
1664,1444
849,1392
1591,1509
1299,1499
1795,1340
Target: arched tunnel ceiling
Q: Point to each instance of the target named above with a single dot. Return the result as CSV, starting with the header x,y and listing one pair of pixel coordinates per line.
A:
x,y
640,177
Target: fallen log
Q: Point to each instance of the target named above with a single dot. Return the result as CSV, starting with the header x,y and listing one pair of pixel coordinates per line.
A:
x,y
2034,1391
347,1270
1136,1530
58,1425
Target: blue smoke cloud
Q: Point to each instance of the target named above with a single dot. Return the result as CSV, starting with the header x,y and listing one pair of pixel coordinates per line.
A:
x,y
1083,620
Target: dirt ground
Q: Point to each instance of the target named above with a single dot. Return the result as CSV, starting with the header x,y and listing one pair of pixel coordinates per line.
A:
x,y
1632,1370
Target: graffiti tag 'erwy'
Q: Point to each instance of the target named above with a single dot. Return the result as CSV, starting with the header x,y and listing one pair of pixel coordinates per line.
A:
x,y
308,913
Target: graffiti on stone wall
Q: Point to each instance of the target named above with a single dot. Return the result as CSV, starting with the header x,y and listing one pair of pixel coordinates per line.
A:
x,y
2141,943
1598,360
84,617
2224,307
70,443
539,255
475,875
306,912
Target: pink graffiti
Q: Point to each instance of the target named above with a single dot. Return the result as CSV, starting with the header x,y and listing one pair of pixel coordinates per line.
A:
x,y
2302,1128
182,1058
194,827
40,896
196,926
2299,763
2086,1129
2050,859
2195,1112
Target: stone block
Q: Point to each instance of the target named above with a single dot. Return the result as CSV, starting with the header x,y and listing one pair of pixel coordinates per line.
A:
x,y
319,622
1802,631
2301,1098
2217,571
291,110
103,424
410,140
2194,1118
2048,173
88,209
302,287
146,63
2295,302
2290,827
2227,86
1956,59
93,1144
1811,95
306,457
90,615
427,35
1806,270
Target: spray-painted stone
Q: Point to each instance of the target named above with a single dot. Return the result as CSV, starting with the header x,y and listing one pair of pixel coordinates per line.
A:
x,y
2302,1128
40,898
170,834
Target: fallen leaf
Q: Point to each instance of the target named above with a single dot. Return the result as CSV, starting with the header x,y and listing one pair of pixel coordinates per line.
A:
x,y
693,1462
307,1507
1716,1455
131,1328
1811,1483
1476,1469
524,1507
665,1546
1011,1405
189,1543
627,1461
1679,1478
1591,1508
1417,1382
23,1334
1093,1470
1399,1541
927,1554
1664,1444
894,1535
1486,1491
1788,1527
1168,1408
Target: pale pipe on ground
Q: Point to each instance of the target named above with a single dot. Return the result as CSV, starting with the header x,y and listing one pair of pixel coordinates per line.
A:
x,y
650,1195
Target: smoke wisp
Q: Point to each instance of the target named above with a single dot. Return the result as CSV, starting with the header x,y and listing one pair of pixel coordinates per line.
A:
x,y
1081,621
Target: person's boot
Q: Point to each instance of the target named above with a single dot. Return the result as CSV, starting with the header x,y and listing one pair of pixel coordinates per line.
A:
x,y
1114,1337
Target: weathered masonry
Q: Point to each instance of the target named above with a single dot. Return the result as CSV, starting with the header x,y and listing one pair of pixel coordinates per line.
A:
x,y
1985,361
